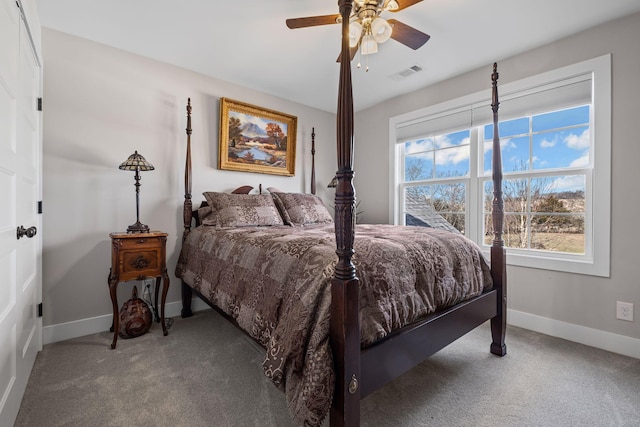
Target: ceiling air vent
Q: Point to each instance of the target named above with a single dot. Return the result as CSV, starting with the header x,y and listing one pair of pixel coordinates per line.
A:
x,y
406,73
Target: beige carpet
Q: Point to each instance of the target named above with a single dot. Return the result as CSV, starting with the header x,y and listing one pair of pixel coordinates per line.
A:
x,y
207,373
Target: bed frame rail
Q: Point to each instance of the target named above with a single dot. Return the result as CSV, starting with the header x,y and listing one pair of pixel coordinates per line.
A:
x,y
407,348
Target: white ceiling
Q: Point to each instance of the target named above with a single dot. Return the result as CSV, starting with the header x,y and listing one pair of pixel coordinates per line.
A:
x,y
246,41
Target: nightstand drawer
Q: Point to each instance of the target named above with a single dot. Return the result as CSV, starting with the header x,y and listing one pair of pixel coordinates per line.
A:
x,y
141,243
142,262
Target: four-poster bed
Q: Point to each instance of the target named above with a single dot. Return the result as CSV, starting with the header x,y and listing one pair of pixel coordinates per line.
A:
x,y
360,363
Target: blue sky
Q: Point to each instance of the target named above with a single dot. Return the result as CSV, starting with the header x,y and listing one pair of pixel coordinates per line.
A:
x,y
259,121
558,139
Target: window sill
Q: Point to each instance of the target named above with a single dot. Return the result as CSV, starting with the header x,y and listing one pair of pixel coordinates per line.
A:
x,y
556,262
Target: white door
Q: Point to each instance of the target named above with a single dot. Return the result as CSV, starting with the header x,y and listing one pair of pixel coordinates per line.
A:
x,y
20,184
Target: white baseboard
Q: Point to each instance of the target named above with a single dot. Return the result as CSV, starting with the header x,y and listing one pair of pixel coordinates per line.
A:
x,y
94,325
592,337
571,332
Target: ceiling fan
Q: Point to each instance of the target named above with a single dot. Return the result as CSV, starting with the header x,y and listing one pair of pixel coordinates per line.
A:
x,y
367,28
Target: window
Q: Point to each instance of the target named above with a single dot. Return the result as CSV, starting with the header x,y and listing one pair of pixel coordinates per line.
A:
x,y
436,171
546,167
555,142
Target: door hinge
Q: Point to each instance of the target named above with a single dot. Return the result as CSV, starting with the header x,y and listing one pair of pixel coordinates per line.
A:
x,y
39,104
17,4
39,206
40,310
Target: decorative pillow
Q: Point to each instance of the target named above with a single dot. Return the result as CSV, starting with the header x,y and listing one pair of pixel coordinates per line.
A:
x,y
301,209
243,210
206,216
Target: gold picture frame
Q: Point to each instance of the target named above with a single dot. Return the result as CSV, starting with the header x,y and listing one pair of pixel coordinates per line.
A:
x,y
256,139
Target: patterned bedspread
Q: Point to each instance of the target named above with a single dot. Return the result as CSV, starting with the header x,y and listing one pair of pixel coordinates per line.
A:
x,y
275,281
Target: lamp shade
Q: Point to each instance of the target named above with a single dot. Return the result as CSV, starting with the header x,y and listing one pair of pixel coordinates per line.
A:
x,y
355,31
381,30
368,45
136,162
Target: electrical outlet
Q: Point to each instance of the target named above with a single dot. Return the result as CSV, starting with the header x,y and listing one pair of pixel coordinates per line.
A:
x,y
624,311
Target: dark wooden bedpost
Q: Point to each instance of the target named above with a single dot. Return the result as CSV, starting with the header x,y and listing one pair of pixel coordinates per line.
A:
x,y
498,256
313,160
345,322
187,212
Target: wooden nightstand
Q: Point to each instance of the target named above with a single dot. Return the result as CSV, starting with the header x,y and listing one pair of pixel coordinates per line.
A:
x,y
137,256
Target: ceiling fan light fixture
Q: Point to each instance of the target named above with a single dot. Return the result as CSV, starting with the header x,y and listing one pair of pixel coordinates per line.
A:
x,y
366,29
355,31
392,5
368,45
381,30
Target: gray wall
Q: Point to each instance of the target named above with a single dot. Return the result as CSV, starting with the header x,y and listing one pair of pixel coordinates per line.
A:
x,y
101,104
577,299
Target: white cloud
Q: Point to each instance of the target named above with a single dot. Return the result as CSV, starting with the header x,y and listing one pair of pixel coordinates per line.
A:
x,y
445,151
487,146
442,141
505,143
578,142
547,144
581,161
426,155
452,155
537,160
419,146
569,183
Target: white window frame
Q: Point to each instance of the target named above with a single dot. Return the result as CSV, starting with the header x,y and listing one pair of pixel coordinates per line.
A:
x,y
596,260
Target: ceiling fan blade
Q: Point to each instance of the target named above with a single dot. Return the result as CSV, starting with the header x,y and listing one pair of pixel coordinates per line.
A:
x,y
407,35
312,21
352,51
403,4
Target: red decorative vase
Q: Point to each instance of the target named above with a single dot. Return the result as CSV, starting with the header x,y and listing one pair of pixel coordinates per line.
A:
x,y
135,317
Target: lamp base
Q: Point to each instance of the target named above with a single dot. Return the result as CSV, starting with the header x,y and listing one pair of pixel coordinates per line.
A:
x,y
138,227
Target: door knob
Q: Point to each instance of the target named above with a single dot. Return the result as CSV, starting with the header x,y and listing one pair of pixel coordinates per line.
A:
x,y
29,232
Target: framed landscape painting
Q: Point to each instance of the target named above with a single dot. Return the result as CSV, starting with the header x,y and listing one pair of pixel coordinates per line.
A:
x,y
256,139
